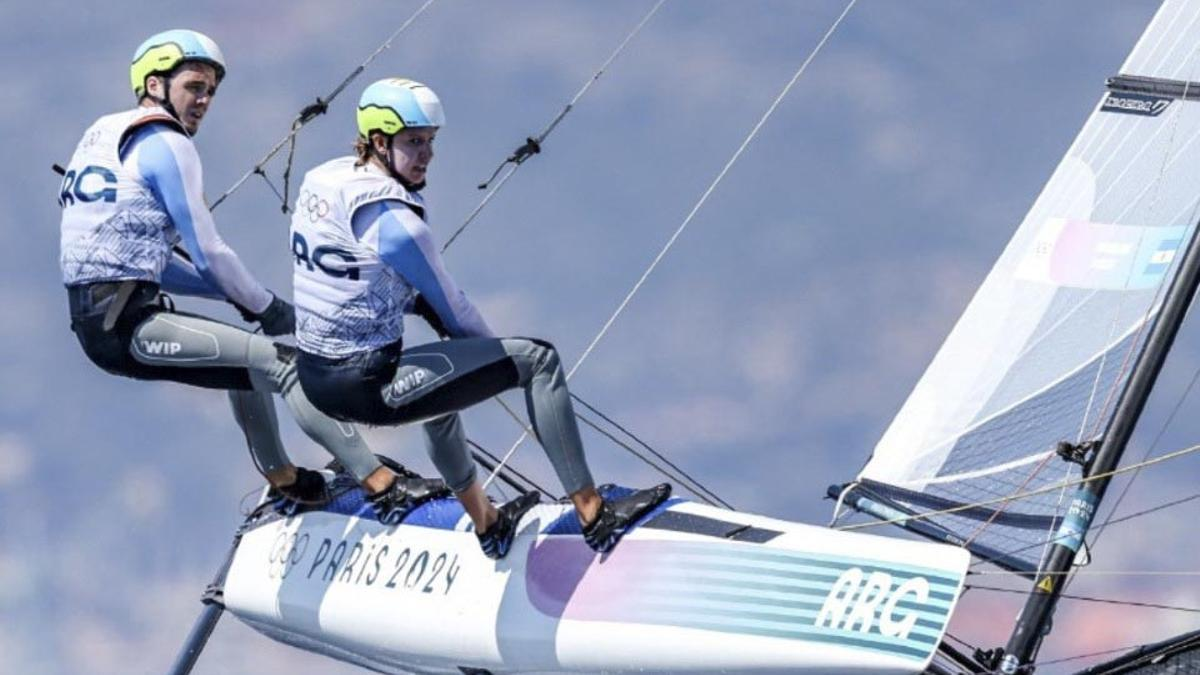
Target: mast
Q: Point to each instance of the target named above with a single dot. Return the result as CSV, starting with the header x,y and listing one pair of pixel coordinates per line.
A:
x,y
1034,621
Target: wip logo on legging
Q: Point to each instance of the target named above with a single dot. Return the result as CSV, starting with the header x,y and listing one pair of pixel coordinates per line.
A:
x,y
406,384
415,377
160,347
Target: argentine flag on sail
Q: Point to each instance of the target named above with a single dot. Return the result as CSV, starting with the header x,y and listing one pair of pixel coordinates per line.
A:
x,y
1158,258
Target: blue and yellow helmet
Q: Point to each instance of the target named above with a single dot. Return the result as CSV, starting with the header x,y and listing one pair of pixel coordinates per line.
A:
x,y
163,52
394,104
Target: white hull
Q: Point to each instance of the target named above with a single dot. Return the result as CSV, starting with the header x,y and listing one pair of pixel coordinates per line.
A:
x,y
423,598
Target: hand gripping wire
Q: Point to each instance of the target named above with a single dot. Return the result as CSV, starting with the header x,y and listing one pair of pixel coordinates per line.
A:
x,y
695,209
310,112
533,144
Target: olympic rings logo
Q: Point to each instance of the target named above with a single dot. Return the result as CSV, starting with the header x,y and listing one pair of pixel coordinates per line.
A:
x,y
313,205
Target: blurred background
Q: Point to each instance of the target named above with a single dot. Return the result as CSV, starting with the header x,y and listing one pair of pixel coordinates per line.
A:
x,y
766,355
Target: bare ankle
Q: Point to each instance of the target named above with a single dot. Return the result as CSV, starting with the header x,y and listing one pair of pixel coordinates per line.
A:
x,y
587,505
486,520
379,480
283,476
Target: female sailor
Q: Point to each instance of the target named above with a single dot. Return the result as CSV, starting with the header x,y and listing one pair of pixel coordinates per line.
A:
x,y
131,196
364,257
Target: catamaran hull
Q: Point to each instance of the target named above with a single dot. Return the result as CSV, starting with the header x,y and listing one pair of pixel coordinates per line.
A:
x,y
692,589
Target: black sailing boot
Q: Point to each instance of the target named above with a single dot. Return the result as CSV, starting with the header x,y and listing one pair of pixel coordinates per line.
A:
x,y
308,490
617,515
406,493
498,538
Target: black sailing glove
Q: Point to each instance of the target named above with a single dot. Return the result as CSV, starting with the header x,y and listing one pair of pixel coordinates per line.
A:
x,y
279,318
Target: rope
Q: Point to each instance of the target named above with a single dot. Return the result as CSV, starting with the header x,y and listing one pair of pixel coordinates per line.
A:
x,y
1099,573
494,459
1090,654
695,209
841,500
712,500
1049,488
312,111
1103,601
533,144
1110,520
708,496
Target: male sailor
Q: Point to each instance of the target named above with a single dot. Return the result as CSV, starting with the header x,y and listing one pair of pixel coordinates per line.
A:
x,y
132,195
364,257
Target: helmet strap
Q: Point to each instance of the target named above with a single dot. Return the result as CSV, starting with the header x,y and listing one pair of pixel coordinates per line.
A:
x,y
164,102
386,160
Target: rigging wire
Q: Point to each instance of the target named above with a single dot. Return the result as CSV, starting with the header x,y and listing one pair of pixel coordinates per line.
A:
x,y
959,640
695,209
533,144
310,112
1160,507
1110,520
708,495
700,492
532,147
494,459
1089,598
1090,654
1098,573
1049,488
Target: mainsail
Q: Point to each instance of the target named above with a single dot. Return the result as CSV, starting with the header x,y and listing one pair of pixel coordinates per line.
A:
x,y
1036,363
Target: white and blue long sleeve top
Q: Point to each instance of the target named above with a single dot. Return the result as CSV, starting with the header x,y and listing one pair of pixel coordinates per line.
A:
x,y
132,194
363,251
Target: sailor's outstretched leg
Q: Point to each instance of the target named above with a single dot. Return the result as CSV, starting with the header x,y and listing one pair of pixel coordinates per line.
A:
x,y
197,342
291,486
553,418
496,527
433,381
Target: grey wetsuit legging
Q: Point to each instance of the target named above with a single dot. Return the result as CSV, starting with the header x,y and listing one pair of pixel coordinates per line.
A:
x,y
432,382
186,341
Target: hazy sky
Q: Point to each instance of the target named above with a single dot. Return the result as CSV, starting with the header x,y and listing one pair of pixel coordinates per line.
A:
x,y
766,355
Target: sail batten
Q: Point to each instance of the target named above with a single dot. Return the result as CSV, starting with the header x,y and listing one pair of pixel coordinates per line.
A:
x,y
1046,346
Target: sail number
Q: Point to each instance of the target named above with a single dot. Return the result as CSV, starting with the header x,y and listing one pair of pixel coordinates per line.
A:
x,y
387,565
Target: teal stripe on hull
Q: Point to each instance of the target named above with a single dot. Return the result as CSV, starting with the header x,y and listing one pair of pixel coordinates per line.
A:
x,y
760,554
802,580
752,628
805,613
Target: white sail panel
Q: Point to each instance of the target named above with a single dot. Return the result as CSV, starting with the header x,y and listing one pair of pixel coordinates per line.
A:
x,y
1044,349
1167,47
